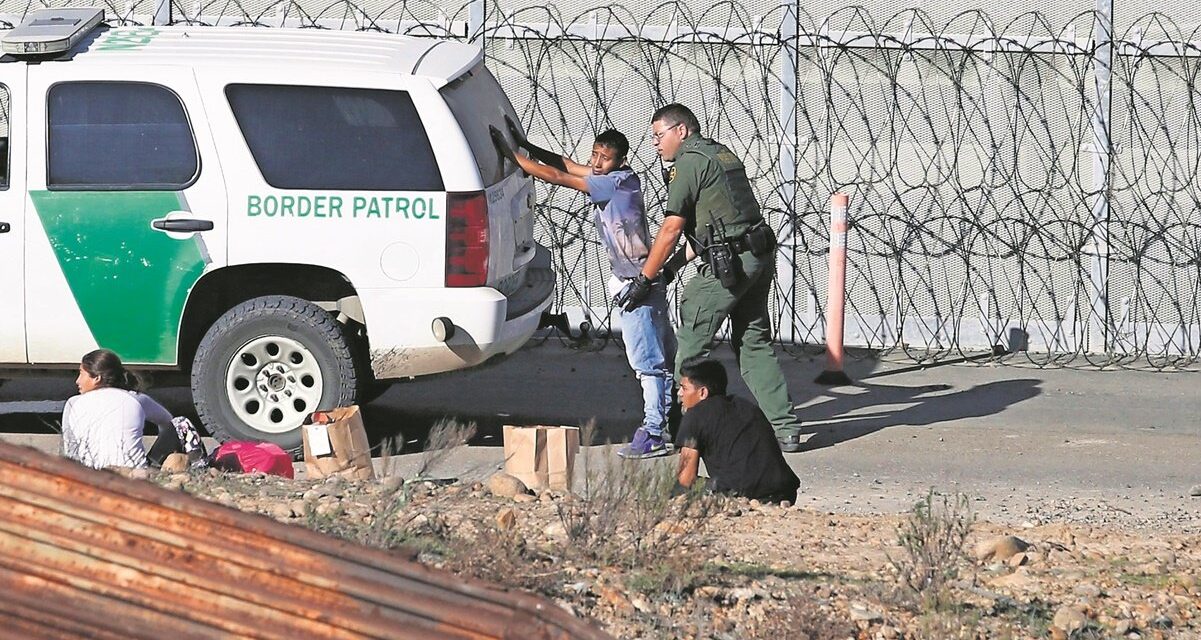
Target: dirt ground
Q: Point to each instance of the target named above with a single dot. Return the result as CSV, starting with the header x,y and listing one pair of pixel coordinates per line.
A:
x,y
1094,469
732,568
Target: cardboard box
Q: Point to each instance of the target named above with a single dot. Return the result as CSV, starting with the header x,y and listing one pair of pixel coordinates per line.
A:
x,y
543,457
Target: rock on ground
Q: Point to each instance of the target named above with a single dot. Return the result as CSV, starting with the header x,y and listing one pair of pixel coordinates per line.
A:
x,y
1000,549
504,485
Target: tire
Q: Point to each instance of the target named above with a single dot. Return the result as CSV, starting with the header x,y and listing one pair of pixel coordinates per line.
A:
x,y
267,363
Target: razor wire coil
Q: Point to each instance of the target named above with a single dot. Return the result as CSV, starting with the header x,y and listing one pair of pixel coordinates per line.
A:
x,y
1000,194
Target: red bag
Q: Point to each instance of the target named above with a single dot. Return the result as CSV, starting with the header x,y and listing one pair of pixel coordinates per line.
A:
x,y
249,457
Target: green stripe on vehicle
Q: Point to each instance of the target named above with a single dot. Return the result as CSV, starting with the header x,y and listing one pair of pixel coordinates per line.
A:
x,y
127,39
129,280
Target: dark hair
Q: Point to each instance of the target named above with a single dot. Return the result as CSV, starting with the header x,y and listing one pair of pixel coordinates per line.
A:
x,y
106,365
674,114
706,373
615,140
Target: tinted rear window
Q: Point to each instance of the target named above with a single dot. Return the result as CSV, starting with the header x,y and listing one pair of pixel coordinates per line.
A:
x,y
335,138
477,101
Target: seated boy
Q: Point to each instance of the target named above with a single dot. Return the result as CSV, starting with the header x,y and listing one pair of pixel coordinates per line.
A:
x,y
733,437
616,194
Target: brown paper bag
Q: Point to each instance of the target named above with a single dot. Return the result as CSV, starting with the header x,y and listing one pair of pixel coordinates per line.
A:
x,y
542,457
335,442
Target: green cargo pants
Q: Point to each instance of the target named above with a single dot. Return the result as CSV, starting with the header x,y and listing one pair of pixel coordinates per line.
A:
x,y
705,304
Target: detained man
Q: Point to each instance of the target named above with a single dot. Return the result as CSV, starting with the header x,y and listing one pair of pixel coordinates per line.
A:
x,y
733,437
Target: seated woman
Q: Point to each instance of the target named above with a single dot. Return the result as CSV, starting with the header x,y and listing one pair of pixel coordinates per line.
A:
x,y
102,426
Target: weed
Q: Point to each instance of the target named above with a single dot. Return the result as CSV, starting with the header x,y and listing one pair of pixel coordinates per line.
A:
x,y
445,438
329,522
389,457
505,557
949,621
757,571
670,575
381,530
386,527
1159,582
1090,631
1033,617
630,514
932,538
802,618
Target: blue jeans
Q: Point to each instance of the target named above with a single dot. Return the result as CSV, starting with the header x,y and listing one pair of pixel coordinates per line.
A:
x,y
651,349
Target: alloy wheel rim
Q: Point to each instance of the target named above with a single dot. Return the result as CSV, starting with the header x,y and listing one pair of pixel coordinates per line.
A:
x,y
272,383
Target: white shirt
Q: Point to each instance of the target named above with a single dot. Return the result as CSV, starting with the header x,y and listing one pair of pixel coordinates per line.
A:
x,y
103,428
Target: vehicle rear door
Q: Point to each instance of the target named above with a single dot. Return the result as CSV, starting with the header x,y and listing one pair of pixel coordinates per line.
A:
x,y
478,102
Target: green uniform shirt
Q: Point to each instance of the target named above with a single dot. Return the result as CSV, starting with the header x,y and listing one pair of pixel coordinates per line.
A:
x,y
708,185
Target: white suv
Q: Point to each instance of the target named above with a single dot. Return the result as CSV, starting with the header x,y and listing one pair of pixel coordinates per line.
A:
x,y
293,216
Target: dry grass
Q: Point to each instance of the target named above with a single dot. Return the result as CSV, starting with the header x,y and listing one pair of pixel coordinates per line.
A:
x,y
932,538
631,514
445,438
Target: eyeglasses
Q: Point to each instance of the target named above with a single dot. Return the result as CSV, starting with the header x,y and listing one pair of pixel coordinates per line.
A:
x,y
659,136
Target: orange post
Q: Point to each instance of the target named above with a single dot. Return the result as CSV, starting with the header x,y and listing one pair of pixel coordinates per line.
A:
x,y
836,293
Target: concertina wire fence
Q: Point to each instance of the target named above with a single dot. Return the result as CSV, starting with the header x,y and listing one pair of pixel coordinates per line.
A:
x,y
1019,179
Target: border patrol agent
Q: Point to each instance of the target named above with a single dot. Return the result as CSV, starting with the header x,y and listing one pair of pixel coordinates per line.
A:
x,y
710,202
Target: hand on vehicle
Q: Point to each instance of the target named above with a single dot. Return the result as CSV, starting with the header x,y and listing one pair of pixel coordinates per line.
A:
x,y
502,145
633,293
538,153
515,133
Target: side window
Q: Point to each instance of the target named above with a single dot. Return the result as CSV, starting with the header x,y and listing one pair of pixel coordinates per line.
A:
x,y
5,101
118,135
335,138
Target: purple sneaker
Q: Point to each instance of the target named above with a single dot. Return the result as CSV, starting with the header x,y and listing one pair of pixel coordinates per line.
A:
x,y
644,445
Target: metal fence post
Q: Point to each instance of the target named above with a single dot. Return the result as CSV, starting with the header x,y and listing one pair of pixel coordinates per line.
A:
x,y
162,12
786,255
1099,320
476,12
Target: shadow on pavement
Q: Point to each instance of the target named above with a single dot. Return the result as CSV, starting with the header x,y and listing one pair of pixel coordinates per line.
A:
x,y
408,430
549,383
830,423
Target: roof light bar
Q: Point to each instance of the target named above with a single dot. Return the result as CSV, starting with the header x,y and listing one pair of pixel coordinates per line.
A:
x,y
49,31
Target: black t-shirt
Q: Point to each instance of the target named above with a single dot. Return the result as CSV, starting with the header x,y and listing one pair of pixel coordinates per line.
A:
x,y
738,446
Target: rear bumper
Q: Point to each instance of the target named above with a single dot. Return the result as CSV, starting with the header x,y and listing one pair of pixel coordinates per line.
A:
x,y
487,323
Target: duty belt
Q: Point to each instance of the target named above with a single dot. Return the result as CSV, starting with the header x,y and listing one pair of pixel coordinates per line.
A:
x,y
742,243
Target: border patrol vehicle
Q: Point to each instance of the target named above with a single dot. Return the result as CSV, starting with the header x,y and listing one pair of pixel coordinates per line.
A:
x,y
293,217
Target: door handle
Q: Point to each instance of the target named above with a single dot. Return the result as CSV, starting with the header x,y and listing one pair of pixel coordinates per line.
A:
x,y
182,225
5,227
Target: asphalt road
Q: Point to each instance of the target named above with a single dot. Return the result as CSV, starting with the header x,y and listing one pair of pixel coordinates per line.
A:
x,y
1027,444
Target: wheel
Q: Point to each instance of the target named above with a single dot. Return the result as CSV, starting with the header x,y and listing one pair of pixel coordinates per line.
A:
x,y
266,364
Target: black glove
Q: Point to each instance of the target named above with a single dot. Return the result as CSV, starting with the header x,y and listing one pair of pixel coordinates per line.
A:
x,y
674,264
667,274
502,145
633,293
538,153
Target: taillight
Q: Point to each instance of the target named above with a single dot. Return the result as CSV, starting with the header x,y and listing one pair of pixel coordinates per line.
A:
x,y
467,240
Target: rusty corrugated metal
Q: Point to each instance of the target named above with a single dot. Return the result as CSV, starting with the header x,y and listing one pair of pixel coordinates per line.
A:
x,y
88,553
